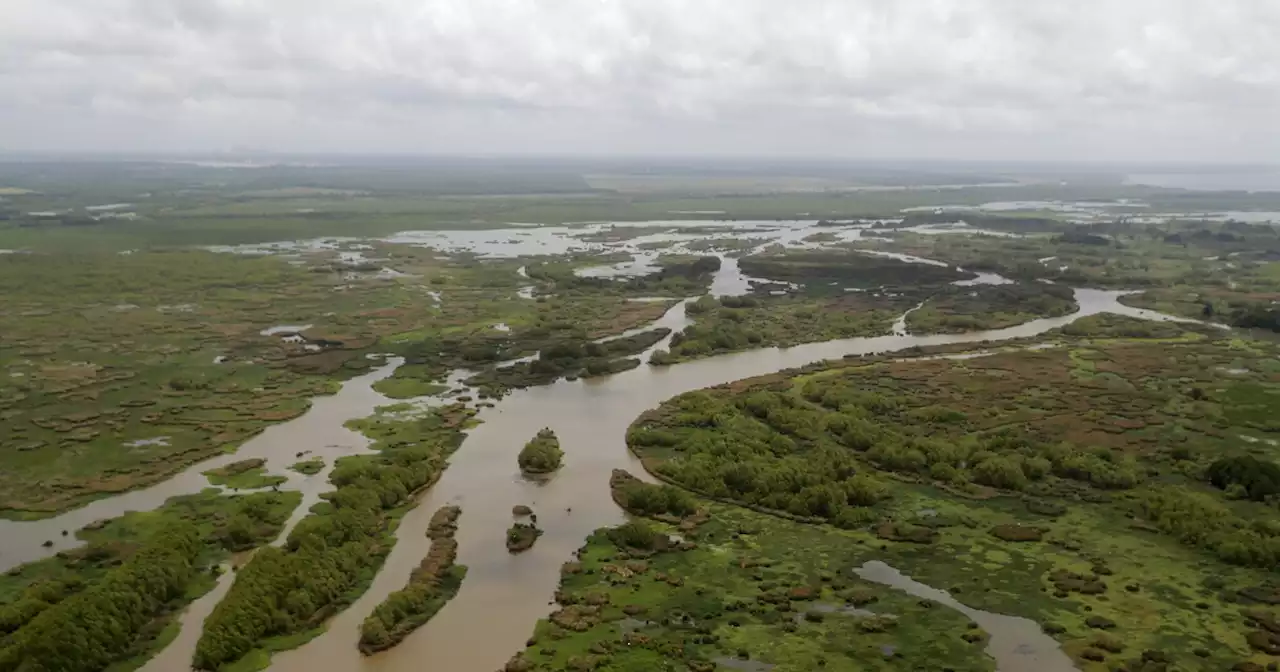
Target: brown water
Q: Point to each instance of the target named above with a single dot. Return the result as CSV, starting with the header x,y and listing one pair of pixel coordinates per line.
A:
x,y
177,655
320,430
1017,644
503,595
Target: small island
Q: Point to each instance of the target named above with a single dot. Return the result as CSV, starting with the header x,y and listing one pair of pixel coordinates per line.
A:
x,y
309,467
542,454
247,474
520,537
436,580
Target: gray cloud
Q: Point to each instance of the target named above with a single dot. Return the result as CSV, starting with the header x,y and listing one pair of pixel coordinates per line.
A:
x,y
1083,79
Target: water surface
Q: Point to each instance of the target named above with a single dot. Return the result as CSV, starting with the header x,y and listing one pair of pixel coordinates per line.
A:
x,y
1017,644
504,595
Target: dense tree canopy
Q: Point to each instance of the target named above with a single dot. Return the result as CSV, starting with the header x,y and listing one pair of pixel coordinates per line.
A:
x,y
330,553
819,446
1259,479
93,628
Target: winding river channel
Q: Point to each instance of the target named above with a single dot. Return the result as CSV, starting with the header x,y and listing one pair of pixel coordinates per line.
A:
x,y
503,595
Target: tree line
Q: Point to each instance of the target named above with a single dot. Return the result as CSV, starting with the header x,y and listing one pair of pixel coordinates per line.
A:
x,y
104,623
326,559
433,583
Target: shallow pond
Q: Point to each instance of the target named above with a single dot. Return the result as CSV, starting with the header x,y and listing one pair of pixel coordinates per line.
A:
x,y
1017,644
285,329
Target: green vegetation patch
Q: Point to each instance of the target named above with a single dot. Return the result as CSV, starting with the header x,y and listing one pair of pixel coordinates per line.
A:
x,y
542,454
244,475
982,307
122,591
397,387
731,324
1125,499
433,583
331,556
309,467
743,591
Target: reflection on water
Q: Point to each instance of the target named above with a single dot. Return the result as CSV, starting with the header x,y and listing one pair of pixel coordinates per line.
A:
x,y
984,279
285,329
641,264
1017,644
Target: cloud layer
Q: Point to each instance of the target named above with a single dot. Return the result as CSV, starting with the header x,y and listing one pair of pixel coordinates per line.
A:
x,y
1078,79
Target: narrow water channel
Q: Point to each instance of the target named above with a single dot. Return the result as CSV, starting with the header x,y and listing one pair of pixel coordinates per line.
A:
x,y
1017,644
320,430
503,595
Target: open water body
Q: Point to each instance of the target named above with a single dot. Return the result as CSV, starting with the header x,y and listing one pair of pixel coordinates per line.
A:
x,y
503,595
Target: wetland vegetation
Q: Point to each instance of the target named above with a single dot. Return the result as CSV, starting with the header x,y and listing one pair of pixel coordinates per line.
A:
x,y
244,475
1041,483
542,454
115,599
283,595
431,585
1118,488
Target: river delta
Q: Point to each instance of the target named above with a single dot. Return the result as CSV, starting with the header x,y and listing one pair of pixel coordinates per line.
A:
x,y
1024,442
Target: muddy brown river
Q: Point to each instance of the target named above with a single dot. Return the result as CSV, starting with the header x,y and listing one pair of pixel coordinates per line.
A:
x,y
503,595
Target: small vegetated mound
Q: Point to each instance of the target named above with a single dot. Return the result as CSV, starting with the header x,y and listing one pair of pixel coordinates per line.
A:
x,y
294,588
542,454
900,531
435,581
102,624
654,501
521,536
444,522
244,475
1100,622
1265,641
309,467
1267,593
1065,581
1245,476
1010,532
234,468
635,536
1045,507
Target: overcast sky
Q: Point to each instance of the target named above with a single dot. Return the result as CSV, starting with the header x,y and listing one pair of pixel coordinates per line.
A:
x,y
1008,79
